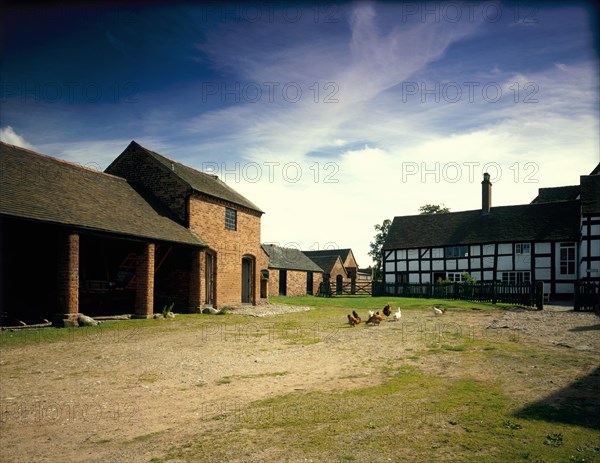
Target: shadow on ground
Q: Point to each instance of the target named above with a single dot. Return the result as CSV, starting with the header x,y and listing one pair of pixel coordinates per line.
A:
x,y
576,404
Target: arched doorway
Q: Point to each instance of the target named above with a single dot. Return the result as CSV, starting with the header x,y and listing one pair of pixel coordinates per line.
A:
x,y
338,284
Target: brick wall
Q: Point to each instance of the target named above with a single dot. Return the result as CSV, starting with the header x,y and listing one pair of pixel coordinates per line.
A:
x,y
273,282
338,269
207,218
68,277
139,168
144,281
296,282
317,279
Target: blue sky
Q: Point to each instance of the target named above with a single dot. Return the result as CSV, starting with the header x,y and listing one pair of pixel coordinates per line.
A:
x,y
330,117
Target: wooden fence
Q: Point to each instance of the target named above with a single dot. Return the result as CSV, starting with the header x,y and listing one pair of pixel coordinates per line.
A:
x,y
587,295
346,288
526,294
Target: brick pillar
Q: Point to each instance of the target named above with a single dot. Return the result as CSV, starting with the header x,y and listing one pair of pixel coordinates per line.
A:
x,y
68,281
196,273
144,277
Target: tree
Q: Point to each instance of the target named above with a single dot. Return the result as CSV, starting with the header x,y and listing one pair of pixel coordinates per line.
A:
x,y
433,209
376,245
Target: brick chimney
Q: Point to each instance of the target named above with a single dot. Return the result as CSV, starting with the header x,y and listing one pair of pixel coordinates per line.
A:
x,y
486,194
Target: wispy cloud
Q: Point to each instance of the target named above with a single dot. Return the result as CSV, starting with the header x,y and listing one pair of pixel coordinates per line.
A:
x,y
8,135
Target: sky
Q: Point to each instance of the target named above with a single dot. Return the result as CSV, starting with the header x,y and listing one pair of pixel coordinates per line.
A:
x,y
331,117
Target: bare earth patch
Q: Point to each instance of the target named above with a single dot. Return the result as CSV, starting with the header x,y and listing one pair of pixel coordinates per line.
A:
x,y
129,396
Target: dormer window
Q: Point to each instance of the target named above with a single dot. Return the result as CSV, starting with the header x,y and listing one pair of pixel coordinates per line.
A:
x,y
230,219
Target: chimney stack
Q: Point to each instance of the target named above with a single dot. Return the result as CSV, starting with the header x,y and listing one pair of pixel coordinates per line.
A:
x,y
486,194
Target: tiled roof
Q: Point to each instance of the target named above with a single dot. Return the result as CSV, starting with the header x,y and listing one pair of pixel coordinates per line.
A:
x,y
326,262
529,222
289,258
560,193
201,182
42,188
343,253
590,194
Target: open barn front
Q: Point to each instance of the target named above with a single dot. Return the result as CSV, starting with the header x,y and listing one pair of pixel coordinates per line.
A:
x,y
50,272
110,276
28,277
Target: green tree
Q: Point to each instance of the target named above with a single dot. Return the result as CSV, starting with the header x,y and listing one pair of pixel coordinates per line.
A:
x,y
433,209
376,245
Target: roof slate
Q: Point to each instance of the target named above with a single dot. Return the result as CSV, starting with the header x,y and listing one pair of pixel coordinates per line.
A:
x,y
560,193
327,263
343,253
42,188
202,182
529,222
590,194
289,258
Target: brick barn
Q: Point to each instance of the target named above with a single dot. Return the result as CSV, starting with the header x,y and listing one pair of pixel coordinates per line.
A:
x,y
291,273
339,265
146,233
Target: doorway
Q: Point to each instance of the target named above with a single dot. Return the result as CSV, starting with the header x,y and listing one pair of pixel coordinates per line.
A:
x,y
247,279
210,273
282,282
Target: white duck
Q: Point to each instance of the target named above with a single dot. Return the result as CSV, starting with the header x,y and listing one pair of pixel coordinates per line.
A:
x,y
397,315
437,311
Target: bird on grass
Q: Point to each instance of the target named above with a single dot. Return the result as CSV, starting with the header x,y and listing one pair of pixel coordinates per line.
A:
x,y
387,310
354,319
375,319
437,311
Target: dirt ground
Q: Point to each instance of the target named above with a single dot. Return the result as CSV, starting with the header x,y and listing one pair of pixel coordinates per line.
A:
x,y
127,396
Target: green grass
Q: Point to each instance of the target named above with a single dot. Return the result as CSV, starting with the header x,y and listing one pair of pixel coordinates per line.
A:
x,y
415,414
296,329
377,303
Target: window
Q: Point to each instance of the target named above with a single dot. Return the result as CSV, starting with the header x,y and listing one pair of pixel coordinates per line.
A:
x,y
457,251
522,248
230,219
454,277
401,277
516,277
567,258
437,253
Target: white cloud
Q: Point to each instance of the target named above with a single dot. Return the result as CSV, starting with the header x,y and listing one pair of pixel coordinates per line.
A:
x,y
8,135
542,132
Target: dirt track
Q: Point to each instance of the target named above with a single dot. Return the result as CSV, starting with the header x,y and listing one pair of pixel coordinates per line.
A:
x,y
126,396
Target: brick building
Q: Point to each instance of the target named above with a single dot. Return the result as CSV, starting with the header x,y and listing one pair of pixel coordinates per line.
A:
x,y
146,233
339,265
228,223
291,273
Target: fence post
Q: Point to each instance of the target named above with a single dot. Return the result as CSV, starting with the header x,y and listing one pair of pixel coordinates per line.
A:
x,y
494,296
539,295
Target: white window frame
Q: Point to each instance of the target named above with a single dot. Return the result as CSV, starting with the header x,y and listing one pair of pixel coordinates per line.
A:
x,y
515,277
455,277
567,262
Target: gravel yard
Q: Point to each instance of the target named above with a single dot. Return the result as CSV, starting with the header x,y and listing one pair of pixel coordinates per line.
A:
x,y
127,395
